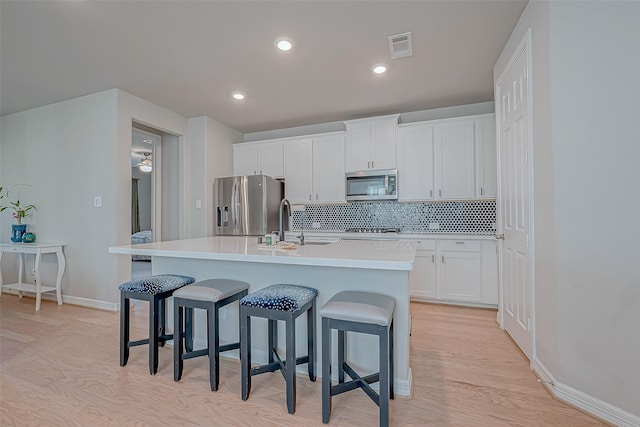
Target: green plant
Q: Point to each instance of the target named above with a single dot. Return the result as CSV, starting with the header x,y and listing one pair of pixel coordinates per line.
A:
x,y
19,211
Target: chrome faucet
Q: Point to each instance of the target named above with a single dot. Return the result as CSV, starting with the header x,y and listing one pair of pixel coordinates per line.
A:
x,y
283,203
301,236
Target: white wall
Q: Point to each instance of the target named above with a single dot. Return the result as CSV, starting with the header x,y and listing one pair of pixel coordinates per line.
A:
x,y
70,152
587,202
210,156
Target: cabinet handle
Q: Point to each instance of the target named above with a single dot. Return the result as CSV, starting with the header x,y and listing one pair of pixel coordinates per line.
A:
x,y
459,243
316,196
310,197
433,259
260,172
440,193
481,191
255,172
371,164
430,193
442,258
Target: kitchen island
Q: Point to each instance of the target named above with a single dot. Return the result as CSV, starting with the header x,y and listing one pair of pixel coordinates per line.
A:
x,y
373,266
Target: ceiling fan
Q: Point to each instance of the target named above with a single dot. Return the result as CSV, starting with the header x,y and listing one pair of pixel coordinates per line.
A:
x,y
145,164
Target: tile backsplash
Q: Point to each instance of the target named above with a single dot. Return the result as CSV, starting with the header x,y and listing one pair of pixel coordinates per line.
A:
x,y
475,217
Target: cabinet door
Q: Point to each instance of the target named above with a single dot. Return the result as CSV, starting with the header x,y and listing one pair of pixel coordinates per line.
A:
x,y
383,149
490,272
358,146
454,160
245,160
298,170
415,163
271,159
422,279
486,161
328,169
459,276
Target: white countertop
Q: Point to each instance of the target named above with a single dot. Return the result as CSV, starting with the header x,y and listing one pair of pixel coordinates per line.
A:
x,y
291,235
368,254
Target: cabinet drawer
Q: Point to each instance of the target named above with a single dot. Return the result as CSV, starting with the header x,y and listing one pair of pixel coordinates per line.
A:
x,y
460,245
425,245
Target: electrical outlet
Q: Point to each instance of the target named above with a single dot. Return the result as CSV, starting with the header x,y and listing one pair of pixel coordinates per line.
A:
x,y
316,225
97,202
434,226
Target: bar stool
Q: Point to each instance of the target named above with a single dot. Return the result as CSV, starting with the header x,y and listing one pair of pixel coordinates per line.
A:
x,y
210,295
278,302
363,312
155,289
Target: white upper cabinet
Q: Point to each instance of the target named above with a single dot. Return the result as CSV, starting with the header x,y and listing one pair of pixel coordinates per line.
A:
x,y
415,163
259,159
371,143
486,161
454,172
314,170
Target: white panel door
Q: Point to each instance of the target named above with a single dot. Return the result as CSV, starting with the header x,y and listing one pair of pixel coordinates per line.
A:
x,y
328,169
245,160
514,201
486,166
358,146
422,279
415,163
271,160
298,171
454,160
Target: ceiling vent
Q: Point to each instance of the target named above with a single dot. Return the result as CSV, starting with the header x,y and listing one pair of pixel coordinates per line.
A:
x,y
400,45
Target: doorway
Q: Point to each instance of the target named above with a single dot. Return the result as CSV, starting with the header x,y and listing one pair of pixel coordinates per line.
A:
x,y
515,202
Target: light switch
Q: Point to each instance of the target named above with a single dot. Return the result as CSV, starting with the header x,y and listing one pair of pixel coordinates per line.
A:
x,y
97,202
198,204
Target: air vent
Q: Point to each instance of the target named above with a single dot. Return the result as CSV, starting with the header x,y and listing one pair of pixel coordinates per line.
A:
x,y
400,45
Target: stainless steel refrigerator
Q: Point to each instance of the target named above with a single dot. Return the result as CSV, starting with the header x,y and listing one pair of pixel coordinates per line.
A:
x,y
247,205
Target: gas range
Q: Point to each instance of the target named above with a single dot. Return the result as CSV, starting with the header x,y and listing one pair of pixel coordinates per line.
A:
x,y
372,230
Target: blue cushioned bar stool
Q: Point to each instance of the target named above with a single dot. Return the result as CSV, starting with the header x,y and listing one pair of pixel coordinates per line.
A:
x,y
362,312
278,302
155,289
210,295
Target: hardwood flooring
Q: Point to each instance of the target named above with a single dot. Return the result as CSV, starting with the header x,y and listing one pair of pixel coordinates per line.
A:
x,y
59,367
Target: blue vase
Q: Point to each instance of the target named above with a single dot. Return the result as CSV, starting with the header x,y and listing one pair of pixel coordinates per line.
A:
x,y
17,230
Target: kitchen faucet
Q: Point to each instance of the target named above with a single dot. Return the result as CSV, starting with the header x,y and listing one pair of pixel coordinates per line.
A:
x,y
301,236
283,203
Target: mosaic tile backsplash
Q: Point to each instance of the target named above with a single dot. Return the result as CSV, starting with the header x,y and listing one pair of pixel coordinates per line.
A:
x,y
476,217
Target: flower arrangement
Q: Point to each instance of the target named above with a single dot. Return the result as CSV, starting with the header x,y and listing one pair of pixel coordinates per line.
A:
x,y
19,211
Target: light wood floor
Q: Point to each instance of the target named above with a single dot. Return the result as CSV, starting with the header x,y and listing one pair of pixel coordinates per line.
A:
x,y
59,367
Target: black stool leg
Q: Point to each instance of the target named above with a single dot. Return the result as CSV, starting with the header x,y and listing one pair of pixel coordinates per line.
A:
x,y
245,351
342,354
178,363
124,329
188,329
272,338
391,361
290,366
384,376
154,306
311,339
326,370
162,323
214,346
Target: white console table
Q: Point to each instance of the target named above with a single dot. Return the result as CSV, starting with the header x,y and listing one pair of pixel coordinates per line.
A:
x,y
36,249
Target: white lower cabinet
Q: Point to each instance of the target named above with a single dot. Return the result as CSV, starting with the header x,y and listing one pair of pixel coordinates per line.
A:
x,y
453,271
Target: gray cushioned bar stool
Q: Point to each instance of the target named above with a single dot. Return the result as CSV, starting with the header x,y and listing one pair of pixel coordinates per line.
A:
x,y
155,289
210,295
278,302
362,312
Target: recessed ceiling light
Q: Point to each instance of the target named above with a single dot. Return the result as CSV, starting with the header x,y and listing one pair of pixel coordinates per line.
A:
x,y
284,43
238,95
379,68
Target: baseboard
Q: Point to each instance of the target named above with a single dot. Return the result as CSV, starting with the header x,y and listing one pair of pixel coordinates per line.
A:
x,y
66,299
415,298
587,403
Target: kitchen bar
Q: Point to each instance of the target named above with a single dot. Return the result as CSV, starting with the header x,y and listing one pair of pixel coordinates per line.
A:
x,y
374,266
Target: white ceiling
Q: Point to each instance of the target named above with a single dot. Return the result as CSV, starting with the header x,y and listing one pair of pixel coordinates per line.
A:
x,y
188,56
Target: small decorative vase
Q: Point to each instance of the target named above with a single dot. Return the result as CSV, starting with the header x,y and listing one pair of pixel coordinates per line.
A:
x,y
17,230
28,237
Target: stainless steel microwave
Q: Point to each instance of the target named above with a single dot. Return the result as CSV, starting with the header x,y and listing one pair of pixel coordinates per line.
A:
x,y
372,185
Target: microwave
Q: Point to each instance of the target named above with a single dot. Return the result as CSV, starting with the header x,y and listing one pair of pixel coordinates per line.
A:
x,y
372,185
